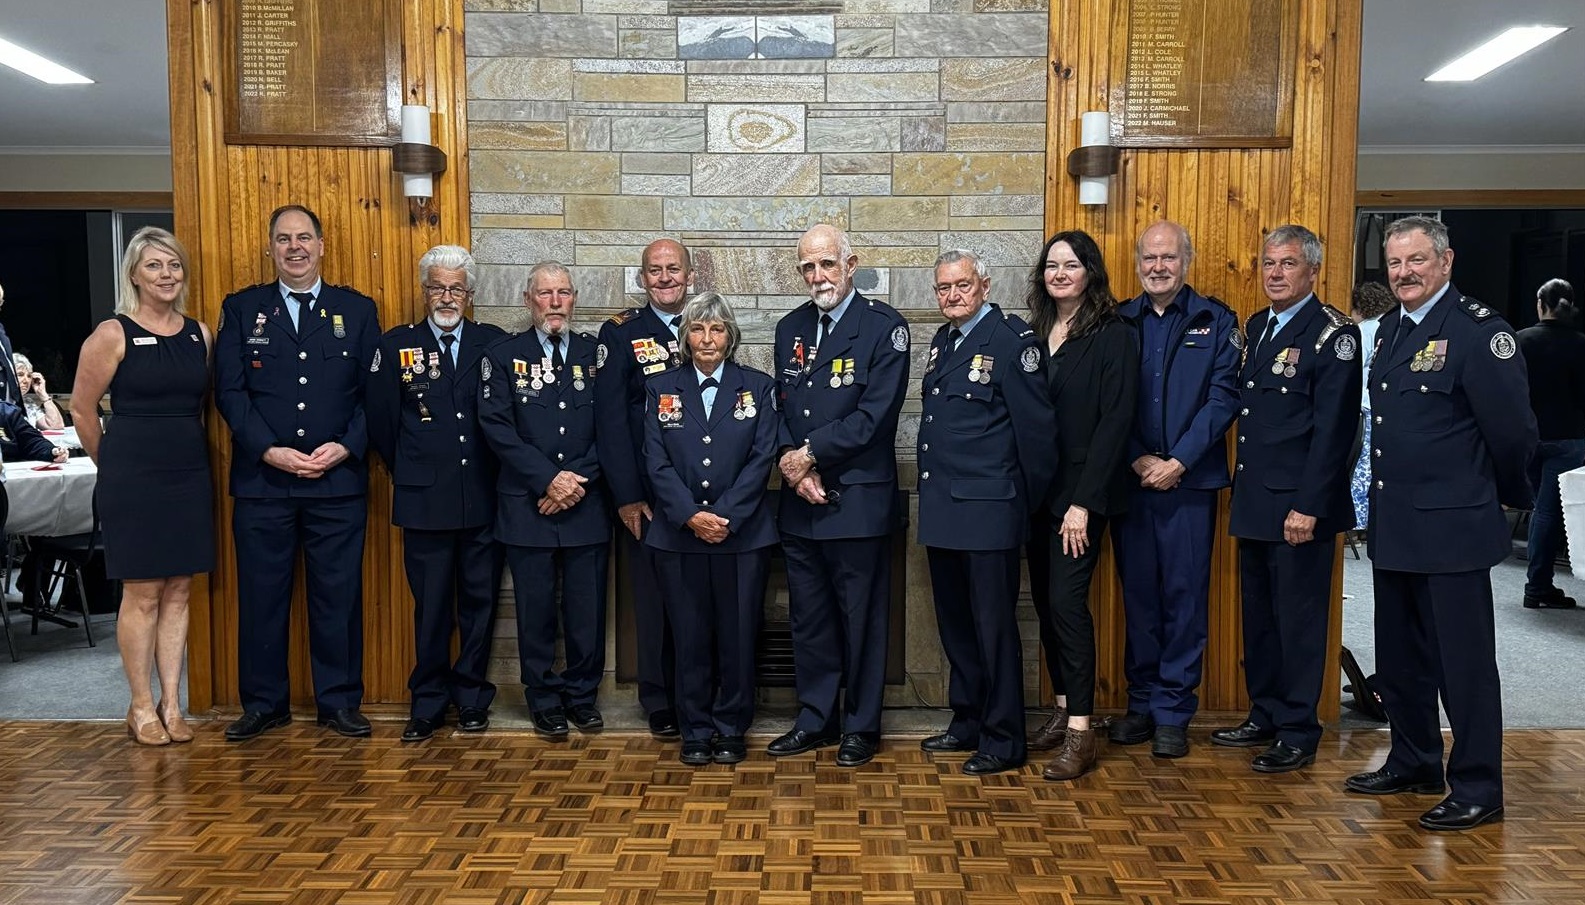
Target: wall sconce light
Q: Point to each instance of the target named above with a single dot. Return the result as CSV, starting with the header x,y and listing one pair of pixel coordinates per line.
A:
x,y
1095,160
418,161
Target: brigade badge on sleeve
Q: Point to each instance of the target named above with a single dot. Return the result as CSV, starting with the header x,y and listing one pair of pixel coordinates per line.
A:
x,y
1030,360
1503,345
1346,348
374,366
900,339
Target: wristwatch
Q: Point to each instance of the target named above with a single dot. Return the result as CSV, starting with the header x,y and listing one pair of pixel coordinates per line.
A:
x,y
809,453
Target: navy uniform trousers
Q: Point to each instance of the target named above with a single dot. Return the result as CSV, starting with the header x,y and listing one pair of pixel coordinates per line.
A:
x,y
1286,599
453,575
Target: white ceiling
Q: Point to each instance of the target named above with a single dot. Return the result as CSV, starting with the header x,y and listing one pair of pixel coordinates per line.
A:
x,y
1539,100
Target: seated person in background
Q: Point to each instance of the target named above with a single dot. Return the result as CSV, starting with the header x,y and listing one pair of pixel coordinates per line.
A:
x,y
42,412
21,441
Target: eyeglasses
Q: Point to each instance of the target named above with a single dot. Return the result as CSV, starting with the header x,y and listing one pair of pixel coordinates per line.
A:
x,y
439,292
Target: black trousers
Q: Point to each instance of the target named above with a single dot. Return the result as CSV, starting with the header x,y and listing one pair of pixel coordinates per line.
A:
x,y
653,643
454,576
716,603
839,596
1287,594
976,597
1059,586
582,615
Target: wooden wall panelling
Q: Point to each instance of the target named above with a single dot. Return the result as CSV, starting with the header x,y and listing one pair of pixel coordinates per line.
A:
x,y
223,196
1227,198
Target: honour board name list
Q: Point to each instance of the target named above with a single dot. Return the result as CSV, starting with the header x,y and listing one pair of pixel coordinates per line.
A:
x,y
1206,73
313,72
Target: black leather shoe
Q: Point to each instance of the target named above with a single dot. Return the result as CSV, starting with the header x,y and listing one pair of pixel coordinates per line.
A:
x,y
799,741
1557,601
253,723
586,717
347,721
696,754
1244,735
946,741
1132,729
419,728
473,719
1281,757
1170,741
728,749
1386,782
1456,815
663,724
551,722
857,750
981,764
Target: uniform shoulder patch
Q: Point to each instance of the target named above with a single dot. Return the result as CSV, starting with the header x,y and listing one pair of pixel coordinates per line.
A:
x,y
222,325
900,338
1503,345
374,366
1346,347
1236,337
600,355
1475,310
484,367
622,317
1029,359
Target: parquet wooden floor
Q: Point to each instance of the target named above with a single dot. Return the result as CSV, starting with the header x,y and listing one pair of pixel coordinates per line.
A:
x,y
300,816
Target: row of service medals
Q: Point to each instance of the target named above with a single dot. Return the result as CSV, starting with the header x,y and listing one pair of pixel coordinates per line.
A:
x,y
980,368
745,406
841,372
1432,358
1285,365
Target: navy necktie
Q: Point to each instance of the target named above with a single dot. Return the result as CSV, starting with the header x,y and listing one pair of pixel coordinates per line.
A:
x,y
556,361
448,345
305,304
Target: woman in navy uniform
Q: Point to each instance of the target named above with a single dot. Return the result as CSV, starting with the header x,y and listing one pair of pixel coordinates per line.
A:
x,y
1093,374
536,407
710,433
423,412
985,463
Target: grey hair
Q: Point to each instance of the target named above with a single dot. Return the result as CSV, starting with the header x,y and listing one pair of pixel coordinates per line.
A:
x,y
1434,229
142,240
1307,241
548,267
20,361
954,255
1185,244
710,308
448,257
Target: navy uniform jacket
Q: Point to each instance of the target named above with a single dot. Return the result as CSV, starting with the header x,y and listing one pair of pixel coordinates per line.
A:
x,y
721,463
276,388
1449,446
636,346
10,389
21,441
851,428
427,428
1201,398
538,433
1295,434
987,451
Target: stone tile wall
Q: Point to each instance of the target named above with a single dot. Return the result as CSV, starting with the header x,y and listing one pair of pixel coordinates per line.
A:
x,y
598,126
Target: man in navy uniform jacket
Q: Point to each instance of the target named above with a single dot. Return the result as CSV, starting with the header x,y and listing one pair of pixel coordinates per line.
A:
x,y
843,372
985,462
423,411
636,344
1299,386
290,361
1452,436
1189,355
537,409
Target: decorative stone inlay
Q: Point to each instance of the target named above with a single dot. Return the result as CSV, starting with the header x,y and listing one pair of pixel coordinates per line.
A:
x,y
755,128
863,42
517,77
976,79
621,86
523,136
755,37
756,88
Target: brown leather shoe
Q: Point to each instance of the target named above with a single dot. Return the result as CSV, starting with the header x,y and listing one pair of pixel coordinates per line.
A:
x,y
145,728
175,726
1075,759
1049,735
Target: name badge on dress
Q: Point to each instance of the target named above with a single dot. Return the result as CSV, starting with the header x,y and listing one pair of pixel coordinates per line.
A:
x,y
144,341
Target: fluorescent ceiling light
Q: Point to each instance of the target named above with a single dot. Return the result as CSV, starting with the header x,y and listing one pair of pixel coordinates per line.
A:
x,y
30,63
1494,53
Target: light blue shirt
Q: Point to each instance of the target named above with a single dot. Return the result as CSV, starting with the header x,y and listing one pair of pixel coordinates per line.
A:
x,y
292,304
1418,314
666,318
455,331
971,323
708,393
1283,318
544,343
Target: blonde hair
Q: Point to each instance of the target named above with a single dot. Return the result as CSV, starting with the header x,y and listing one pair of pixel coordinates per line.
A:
x,y
142,240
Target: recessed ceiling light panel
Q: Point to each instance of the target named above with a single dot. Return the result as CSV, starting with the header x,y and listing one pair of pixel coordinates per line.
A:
x,y
30,63
1510,44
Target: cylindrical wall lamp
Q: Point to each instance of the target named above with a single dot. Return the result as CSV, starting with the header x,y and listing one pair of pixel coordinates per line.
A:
x,y
1095,160
418,161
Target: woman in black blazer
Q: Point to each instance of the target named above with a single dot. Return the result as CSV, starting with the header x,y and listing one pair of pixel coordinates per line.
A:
x,y
1093,373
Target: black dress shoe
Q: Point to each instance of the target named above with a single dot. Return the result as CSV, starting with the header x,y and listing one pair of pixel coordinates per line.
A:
x,y
253,723
663,724
798,741
696,754
1386,782
1554,601
1281,757
857,749
1170,741
1132,729
586,717
347,721
419,728
473,719
1244,735
981,764
946,741
1456,815
551,722
728,749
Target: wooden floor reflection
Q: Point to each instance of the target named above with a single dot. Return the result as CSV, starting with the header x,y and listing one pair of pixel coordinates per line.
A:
x,y
300,816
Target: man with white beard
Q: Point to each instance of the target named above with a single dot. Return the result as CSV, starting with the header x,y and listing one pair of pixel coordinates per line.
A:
x,y
424,381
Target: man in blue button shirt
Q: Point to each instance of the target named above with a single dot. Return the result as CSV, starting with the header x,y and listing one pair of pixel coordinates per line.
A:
x,y
1189,361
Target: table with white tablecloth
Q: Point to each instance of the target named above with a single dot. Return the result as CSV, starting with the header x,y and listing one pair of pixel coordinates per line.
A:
x,y
1571,490
52,501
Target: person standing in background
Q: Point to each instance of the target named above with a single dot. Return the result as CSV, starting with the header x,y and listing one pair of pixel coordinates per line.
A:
x,y
1370,301
10,387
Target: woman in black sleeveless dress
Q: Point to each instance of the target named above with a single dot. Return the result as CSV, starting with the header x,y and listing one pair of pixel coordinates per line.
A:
x,y
154,492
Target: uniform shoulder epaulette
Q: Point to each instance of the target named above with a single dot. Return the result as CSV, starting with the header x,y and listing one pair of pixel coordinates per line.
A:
x,y
1018,325
622,317
346,288
1476,311
1335,320
1220,304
